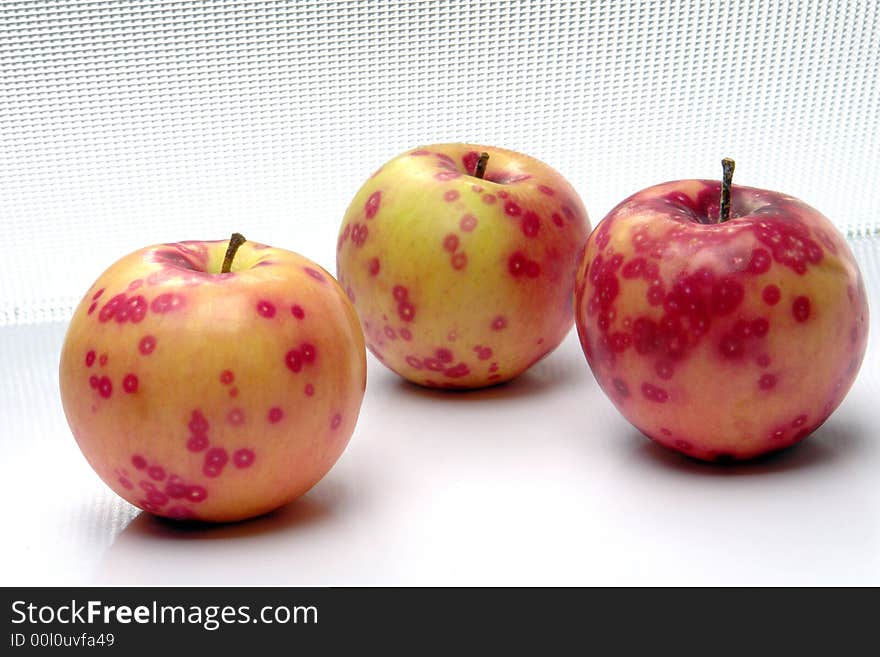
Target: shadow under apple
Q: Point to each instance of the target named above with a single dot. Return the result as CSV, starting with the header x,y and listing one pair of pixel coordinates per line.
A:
x,y
833,441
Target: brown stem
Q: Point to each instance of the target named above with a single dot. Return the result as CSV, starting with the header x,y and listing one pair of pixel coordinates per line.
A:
x,y
480,168
235,241
727,165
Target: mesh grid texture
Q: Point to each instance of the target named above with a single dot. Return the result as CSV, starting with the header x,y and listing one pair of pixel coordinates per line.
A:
x,y
132,122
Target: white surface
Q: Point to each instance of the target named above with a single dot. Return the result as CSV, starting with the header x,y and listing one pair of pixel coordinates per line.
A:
x,y
130,122
536,482
139,121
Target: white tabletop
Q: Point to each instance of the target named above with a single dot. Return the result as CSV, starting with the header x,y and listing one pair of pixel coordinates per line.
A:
x,y
540,481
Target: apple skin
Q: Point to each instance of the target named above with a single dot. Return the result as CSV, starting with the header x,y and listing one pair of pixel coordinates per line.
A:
x,y
208,396
722,341
462,282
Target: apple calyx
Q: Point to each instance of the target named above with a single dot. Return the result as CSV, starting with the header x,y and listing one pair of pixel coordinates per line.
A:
x,y
480,167
235,241
727,166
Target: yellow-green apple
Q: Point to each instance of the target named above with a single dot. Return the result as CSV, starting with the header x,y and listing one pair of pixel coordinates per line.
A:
x,y
200,391
460,261
722,328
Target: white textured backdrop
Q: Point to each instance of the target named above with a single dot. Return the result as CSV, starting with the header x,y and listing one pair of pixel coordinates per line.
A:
x,y
130,122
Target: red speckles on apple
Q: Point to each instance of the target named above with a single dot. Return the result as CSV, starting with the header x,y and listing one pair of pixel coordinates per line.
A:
x,y
444,176
433,364
139,462
483,353
457,371
97,295
105,387
664,369
90,357
727,294
130,383
359,234
450,195
371,207
315,274
335,421
489,199
293,359
390,333
800,309
654,393
266,309
760,262
135,284
167,302
275,415
305,354
92,308
511,209
767,382
374,266
519,265
459,260
216,459
450,243
799,420
405,309
147,345
790,243
179,513
109,309
444,355
309,390
309,353
198,426
467,223
771,295
102,360
235,417
531,224
546,190
175,488
227,377
196,494
156,472
620,387
414,362
134,310
731,347
125,483
297,311
499,323
243,458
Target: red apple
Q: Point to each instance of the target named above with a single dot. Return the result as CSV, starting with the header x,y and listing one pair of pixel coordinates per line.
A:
x,y
721,339
461,268
217,396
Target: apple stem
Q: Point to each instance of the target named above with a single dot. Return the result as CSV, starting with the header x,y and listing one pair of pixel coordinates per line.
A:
x,y
727,165
235,241
480,168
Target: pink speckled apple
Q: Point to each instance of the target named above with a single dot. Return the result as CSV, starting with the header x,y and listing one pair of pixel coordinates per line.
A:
x,y
724,340
461,266
198,394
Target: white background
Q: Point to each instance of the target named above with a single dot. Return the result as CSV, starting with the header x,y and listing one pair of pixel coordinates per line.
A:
x,y
127,123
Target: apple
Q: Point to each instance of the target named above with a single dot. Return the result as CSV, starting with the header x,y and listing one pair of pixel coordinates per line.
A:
x,y
209,392
723,322
460,261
